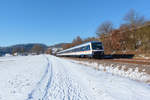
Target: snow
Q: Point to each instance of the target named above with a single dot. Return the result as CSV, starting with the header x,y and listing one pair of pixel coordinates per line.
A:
x,y
19,75
134,74
47,77
8,55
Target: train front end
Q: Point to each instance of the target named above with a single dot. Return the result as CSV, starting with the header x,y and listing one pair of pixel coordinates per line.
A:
x,y
97,49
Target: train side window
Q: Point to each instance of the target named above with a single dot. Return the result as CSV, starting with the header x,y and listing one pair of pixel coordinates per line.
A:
x,y
80,49
76,49
84,48
88,47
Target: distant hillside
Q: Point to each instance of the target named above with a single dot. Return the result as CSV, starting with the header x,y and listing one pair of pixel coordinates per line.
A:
x,y
60,45
26,47
130,41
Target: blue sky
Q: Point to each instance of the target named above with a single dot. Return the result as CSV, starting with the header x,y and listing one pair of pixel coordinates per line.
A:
x,y
55,21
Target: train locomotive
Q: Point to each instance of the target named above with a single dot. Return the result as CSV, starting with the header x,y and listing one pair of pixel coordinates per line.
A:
x,y
93,49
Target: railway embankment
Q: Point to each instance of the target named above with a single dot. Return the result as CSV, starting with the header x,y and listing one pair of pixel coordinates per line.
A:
x,y
135,69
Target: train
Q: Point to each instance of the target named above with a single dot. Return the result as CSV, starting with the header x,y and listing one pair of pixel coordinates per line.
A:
x,y
93,49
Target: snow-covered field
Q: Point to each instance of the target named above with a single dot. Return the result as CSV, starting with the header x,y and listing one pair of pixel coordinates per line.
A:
x,y
47,77
120,70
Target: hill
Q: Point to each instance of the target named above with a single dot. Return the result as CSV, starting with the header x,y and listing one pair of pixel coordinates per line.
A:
x,y
59,45
26,47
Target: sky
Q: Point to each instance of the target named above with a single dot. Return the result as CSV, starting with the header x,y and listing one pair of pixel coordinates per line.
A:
x,y
55,21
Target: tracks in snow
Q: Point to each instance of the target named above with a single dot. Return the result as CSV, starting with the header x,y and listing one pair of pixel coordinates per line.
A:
x,y
64,85
41,89
57,83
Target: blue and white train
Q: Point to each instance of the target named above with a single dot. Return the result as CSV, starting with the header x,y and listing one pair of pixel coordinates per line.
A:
x,y
92,49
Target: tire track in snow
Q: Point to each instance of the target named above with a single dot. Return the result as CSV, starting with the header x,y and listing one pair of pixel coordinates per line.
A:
x,y
63,86
39,84
49,81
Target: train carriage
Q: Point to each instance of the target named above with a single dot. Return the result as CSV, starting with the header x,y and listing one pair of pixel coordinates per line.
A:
x,y
89,49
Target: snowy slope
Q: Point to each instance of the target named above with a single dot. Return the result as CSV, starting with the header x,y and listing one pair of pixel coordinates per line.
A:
x,y
133,73
18,75
50,78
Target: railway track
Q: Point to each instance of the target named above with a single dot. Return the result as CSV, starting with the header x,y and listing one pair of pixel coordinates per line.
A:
x,y
115,60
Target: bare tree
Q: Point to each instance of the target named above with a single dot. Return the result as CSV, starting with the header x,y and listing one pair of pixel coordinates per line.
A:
x,y
68,45
133,19
14,50
105,28
147,23
49,51
78,40
38,49
90,39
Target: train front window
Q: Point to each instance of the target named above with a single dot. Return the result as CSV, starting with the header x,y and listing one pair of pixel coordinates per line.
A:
x,y
97,46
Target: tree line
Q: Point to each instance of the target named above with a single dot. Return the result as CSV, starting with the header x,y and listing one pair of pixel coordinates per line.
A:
x,y
28,49
132,36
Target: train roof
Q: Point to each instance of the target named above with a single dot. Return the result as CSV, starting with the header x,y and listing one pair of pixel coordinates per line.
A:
x,y
84,44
